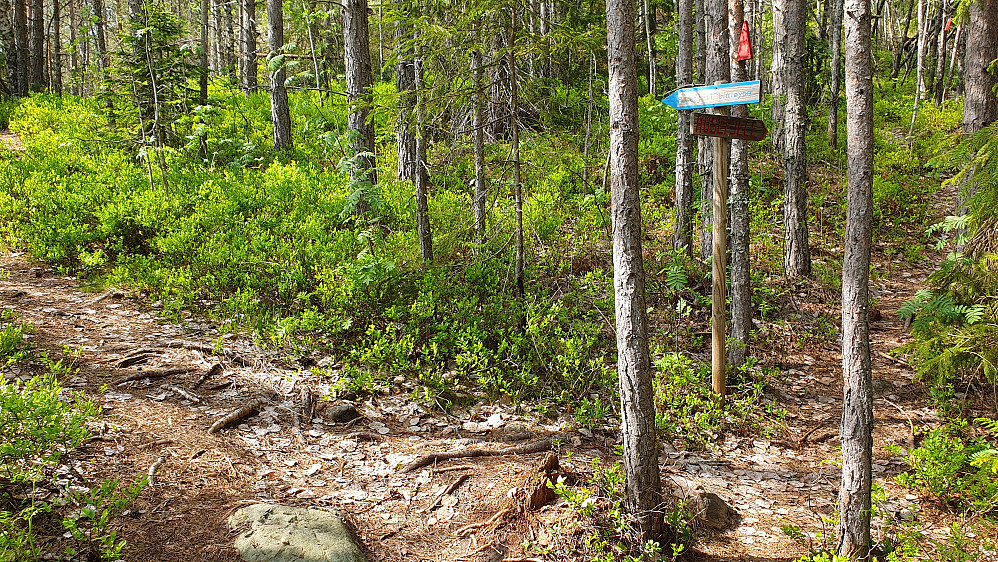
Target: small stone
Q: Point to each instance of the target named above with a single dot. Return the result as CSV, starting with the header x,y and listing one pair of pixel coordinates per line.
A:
x,y
714,513
277,533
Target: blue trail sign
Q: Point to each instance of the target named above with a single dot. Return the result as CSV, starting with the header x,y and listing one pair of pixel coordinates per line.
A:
x,y
738,93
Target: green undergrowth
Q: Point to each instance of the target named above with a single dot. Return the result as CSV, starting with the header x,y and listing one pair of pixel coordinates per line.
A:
x,y
42,424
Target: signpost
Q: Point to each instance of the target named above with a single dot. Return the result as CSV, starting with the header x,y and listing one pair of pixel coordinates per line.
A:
x,y
707,125
722,127
718,95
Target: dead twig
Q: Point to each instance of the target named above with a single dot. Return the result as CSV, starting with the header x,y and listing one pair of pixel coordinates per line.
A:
x,y
215,370
453,486
251,407
150,375
188,395
152,471
525,449
156,443
463,531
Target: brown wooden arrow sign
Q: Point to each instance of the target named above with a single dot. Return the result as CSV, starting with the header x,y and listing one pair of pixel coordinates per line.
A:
x,y
707,125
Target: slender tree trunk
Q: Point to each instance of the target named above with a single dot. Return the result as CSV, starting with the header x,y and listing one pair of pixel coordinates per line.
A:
x,y
312,34
835,34
650,29
228,45
248,30
74,58
203,78
796,255
952,61
980,106
23,52
479,135
514,127
640,447
940,75
405,85
420,178
9,44
280,113
56,48
683,237
777,69
360,81
857,393
36,77
718,70
741,279
901,46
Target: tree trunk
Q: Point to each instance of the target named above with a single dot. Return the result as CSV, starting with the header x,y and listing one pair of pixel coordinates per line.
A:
x,y
701,39
741,280
835,34
777,69
650,29
952,61
938,77
514,128
74,59
683,237
23,52
857,393
360,81
228,45
203,79
640,447
405,84
420,176
479,134
56,59
718,69
248,31
36,77
9,44
980,105
280,113
923,40
796,255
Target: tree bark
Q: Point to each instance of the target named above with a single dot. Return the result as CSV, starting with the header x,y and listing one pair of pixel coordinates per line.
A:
x,y
514,127
718,69
280,113
980,105
405,84
738,180
777,70
203,79
640,445
479,135
360,81
650,29
74,59
796,255
923,40
228,44
56,59
857,392
939,77
23,51
835,35
420,176
952,61
248,31
36,77
9,44
683,236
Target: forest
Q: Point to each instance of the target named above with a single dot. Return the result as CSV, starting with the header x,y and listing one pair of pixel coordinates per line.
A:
x,y
510,281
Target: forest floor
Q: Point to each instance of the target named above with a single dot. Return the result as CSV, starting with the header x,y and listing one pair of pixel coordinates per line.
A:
x,y
356,467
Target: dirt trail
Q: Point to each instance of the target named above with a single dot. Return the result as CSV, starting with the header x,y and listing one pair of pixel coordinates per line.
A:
x,y
356,467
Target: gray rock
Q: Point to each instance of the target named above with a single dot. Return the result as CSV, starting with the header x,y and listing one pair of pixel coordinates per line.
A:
x,y
278,533
714,513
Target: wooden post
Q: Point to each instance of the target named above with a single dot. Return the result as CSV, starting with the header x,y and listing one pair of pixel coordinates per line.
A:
x,y
719,260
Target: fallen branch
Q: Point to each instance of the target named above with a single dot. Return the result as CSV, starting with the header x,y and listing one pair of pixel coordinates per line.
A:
x,y
251,407
150,375
140,356
215,370
188,395
463,531
525,449
454,485
152,471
